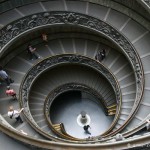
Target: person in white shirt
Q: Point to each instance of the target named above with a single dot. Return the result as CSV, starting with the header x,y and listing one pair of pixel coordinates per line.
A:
x,y
15,114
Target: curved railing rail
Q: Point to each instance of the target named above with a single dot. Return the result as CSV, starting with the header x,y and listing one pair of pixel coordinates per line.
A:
x,y
145,4
5,123
8,5
145,139
59,129
69,87
77,87
47,144
53,61
23,25
134,130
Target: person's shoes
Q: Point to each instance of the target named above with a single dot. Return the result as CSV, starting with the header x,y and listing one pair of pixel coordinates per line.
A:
x,y
21,121
39,57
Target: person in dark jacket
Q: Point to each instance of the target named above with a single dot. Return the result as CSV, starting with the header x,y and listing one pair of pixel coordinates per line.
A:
x,y
86,127
31,52
5,77
100,55
103,54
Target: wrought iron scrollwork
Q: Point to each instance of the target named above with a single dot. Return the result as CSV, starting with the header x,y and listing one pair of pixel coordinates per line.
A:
x,y
69,87
65,88
14,29
51,62
30,22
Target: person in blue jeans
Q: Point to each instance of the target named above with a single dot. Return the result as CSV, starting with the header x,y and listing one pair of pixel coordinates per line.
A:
x,y
5,77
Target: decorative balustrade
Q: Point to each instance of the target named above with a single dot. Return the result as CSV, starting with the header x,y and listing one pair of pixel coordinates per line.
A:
x,y
18,27
13,30
73,87
24,25
51,62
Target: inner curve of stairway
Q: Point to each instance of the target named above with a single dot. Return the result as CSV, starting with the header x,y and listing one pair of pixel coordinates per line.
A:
x,y
138,35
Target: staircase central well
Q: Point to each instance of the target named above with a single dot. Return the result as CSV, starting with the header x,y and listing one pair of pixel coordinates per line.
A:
x,y
67,108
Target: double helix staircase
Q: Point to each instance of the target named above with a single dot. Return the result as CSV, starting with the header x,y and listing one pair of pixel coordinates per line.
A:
x,y
77,40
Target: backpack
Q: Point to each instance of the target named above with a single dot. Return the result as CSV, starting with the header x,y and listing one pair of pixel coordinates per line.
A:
x,y
12,115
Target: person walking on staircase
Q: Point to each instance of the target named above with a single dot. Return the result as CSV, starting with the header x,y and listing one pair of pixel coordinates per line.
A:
x,y
100,55
31,52
5,77
12,113
103,54
11,92
45,38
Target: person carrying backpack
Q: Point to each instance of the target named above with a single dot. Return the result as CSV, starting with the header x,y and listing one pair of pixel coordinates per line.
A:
x,y
12,113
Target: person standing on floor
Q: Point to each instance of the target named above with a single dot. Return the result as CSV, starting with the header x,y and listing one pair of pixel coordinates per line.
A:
x,y
86,127
31,52
12,113
11,92
4,76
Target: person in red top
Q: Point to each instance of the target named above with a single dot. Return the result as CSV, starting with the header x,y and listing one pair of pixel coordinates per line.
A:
x,y
11,92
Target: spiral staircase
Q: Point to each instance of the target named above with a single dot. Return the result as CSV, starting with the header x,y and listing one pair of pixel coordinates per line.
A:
x,y
114,92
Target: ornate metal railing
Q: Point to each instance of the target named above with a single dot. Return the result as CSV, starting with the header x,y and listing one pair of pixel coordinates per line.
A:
x,y
23,25
70,87
9,5
51,62
146,139
142,141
